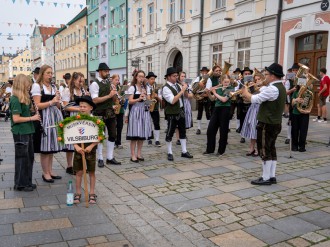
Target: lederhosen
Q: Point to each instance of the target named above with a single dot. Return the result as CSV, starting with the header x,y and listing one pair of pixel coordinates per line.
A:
x,y
205,104
106,110
175,116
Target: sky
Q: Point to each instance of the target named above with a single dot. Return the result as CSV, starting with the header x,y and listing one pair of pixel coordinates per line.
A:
x,y
16,18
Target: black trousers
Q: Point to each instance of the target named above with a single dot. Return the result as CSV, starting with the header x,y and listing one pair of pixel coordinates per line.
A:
x,y
233,106
206,105
173,122
24,158
266,138
243,109
155,119
119,127
212,106
219,120
299,130
110,123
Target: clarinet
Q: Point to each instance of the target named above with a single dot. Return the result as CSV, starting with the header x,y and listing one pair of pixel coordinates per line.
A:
x,y
42,129
83,92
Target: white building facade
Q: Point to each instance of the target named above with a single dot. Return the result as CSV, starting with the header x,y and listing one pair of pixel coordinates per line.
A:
x,y
50,52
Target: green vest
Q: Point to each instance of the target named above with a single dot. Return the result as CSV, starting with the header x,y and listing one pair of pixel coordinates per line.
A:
x,y
270,112
215,80
223,93
172,109
104,89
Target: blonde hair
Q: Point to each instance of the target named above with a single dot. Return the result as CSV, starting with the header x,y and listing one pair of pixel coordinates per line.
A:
x,y
114,76
41,74
20,85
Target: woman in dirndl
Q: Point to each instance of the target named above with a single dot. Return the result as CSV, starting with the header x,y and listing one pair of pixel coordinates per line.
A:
x,y
249,129
47,98
139,120
70,94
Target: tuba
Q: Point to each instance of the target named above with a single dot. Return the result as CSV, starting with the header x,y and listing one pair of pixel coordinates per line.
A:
x,y
226,68
301,74
116,100
153,96
307,95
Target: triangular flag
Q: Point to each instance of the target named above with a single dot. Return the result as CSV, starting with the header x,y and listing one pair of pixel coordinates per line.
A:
x,y
28,2
81,6
190,11
68,5
55,4
128,9
161,10
42,3
13,1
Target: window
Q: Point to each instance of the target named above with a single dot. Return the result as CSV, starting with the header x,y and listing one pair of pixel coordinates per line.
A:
x,y
91,53
21,68
122,13
172,11
243,53
113,47
79,60
96,26
103,49
103,22
220,4
113,17
182,8
149,63
75,38
122,44
90,29
217,54
14,68
79,35
150,17
139,22
96,52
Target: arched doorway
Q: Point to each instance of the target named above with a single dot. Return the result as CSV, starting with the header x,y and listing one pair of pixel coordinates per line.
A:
x,y
178,62
311,50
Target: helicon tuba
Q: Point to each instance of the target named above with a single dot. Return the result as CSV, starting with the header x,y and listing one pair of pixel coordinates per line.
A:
x,y
226,68
307,95
301,74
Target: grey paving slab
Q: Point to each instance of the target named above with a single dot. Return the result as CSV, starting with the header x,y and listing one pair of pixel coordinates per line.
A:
x,y
40,201
27,216
325,168
212,171
60,244
188,205
9,211
293,226
248,165
201,193
246,193
77,243
53,190
267,233
321,177
273,188
10,194
35,238
75,211
148,181
307,173
161,171
88,219
285,177
163,200
317,217
6,230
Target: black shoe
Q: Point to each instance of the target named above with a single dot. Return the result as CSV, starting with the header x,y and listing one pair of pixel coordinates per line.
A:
x,y
47,180
178,142
228,130
294,149
302,150
34,186
170,157
242,140
140,159
186,155
100,163
207,153
69,170
135,161
287,141
198,132
261,181
273,180
113,162
23,188
56,177
1,160
157,143
149,142
238,130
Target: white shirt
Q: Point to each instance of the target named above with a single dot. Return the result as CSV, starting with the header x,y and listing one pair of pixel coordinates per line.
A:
x,y
36,90
94,88
168,95
131,90
208,82
267,93
9,90
159,94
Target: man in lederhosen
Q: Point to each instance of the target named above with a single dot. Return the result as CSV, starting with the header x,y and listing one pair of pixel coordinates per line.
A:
x,y
102,93
174,110
155,113
272,100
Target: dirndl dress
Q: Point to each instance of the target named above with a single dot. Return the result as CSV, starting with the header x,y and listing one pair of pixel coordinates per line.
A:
x,y
188,113
249,129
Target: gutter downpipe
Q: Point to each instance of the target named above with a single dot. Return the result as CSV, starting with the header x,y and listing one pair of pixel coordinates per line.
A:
x,y
278,29
200,36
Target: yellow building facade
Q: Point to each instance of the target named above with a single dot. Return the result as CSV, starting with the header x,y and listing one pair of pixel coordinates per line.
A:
x,y
21,64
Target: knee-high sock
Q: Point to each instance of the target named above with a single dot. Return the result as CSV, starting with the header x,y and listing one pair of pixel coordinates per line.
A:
x,y
199,124
238,123
273,169
207,123
169,147
289,132
110,147
266,169
183,145
156,133
100,151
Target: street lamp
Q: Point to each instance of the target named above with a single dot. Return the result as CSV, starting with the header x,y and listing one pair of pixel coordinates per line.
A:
x,y
10,37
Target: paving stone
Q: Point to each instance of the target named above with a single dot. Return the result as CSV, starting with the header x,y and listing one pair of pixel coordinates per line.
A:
x,y
11,203
88,231
148,181
188,205
271,189
11,194
321,177
134,176
212,171
297,182
192,167
170,199
318,218
246,193
236,238
78,243
307,173
59,244
299,242
180,176
34,238
323,244
6,229
248,165
97,240
40,201
285,177
161,171
267,234
27,216
41,225
115,237
223,198
293,226
75,211
88,219
236,186
313,237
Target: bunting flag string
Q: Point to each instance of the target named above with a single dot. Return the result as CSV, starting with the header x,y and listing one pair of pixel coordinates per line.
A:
x,y
63,36
50,4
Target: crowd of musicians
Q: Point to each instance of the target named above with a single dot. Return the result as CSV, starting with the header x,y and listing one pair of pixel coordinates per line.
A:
x,y
256,99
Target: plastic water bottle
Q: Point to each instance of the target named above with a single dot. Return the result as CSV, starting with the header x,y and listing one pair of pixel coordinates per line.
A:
x,y
69,195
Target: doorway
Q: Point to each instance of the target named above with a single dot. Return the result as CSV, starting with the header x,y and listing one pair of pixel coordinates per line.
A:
x,y
178,62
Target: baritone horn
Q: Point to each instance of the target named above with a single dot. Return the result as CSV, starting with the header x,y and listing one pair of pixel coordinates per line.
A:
x,y
301,74
307,95
226,68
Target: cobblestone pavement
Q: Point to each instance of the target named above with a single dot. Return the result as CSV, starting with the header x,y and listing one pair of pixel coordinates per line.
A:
x,y
206,201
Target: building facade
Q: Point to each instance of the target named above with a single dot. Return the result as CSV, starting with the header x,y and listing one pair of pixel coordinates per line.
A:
x,y
21,64
71,47
5,66
50,52
191,34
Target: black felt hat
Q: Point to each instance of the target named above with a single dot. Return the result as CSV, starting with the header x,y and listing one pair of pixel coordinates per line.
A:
x,y
67,76
87,99
247,69
237,70
170,71
103,66
36,70
275,69
204,69
295,66
151,74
